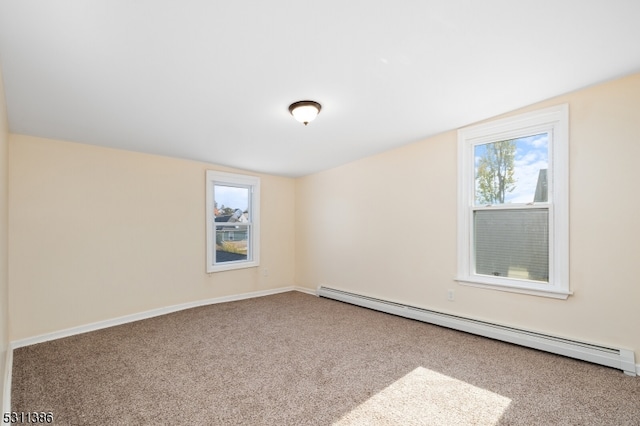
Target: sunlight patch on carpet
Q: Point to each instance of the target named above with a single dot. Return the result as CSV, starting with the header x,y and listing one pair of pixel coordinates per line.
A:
x,y
426,397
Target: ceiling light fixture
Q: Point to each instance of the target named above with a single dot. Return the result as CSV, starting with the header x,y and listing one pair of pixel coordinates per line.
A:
x,y
305,111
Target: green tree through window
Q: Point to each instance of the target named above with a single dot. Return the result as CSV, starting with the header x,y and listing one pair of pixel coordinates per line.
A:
x,y
495,173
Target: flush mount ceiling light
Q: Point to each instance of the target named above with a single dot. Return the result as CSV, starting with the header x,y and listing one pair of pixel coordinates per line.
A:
x,y
305,111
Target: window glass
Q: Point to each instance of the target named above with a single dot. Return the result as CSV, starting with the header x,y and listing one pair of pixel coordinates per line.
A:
x,y
512,171
232,212
512,243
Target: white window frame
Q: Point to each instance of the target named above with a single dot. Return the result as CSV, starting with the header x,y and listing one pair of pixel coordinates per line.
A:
x,y
555,121
253,226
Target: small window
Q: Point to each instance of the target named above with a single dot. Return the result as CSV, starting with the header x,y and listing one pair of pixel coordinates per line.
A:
x,y
233,221
513,204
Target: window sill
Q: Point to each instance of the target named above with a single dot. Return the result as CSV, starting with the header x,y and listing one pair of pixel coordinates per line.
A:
x,y
514,288
232,266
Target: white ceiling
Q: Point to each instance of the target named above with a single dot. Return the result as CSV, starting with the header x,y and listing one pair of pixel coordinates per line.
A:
x,y
211,80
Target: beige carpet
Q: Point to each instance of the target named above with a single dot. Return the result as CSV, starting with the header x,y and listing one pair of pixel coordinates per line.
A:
x,y
295,359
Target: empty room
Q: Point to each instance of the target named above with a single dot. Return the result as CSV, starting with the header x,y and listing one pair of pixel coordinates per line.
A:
x,y
322,213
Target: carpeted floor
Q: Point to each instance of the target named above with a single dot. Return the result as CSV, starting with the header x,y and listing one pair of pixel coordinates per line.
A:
x,y
295,359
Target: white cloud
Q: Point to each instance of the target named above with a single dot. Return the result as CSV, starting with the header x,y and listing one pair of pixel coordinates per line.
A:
x,y
531,157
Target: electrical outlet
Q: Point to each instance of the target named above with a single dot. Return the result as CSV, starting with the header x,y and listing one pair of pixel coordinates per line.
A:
x,y
265,272
451,295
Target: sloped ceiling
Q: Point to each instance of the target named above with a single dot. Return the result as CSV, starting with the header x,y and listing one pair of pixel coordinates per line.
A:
x,y
212,80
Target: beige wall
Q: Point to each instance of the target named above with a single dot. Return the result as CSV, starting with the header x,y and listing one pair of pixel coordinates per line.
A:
x,y
385,226
99,233
4,295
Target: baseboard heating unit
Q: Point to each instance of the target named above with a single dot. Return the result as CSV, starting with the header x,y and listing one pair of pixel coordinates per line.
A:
x,y
622,359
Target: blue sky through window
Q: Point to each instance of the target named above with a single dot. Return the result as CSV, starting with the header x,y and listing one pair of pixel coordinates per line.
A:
x,y
232,196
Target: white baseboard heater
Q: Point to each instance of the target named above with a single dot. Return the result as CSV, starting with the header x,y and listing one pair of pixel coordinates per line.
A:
x,y
622,359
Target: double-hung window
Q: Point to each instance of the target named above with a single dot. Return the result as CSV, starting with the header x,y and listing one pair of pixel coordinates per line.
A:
x,y
233,221
513,204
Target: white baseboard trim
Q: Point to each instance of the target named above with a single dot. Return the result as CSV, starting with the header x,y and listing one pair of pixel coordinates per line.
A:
x,y
143,315
305,290
6,385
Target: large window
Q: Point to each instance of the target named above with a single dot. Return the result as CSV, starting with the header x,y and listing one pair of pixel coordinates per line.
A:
x,y
233,221
513,204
